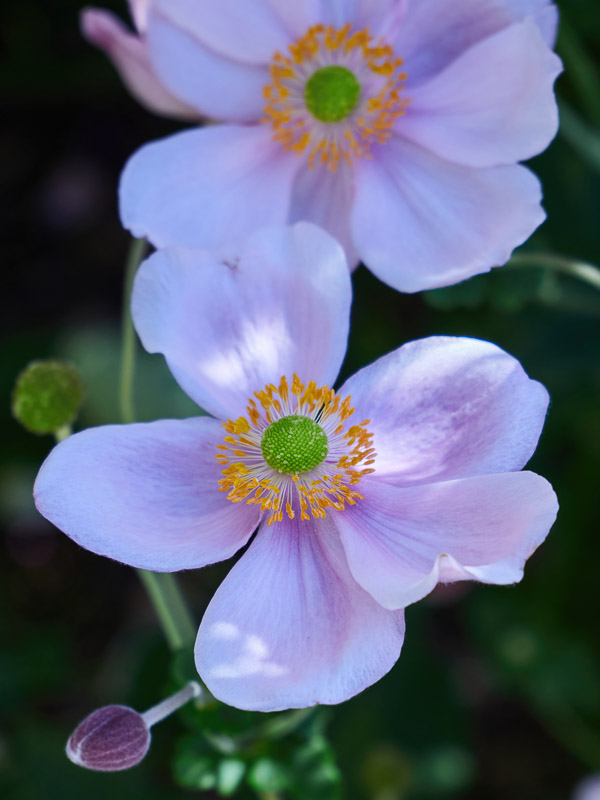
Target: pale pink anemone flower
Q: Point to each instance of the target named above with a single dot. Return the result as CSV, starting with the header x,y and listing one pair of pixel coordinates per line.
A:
x,y
396,125
364,498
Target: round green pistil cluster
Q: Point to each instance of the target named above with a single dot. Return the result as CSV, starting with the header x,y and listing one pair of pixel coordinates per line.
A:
x,y
294,444
332,93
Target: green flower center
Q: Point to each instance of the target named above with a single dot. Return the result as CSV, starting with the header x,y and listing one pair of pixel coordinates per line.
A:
x,y
294,445
332,93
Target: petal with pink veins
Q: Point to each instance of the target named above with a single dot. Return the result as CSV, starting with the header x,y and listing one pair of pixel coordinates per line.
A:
x,y
325,198
297,17
432,33
139,13
282,307
241,31
486,109
145,494
290,628
444,407
371,14
401,542
207,187
420,222
218,86
129,54
544,12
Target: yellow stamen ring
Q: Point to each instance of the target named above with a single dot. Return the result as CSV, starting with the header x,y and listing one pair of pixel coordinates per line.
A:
x,y
331,140
247,477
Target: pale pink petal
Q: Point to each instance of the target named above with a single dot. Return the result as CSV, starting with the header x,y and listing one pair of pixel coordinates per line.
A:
x,y
544,12
297,17
588,789
371,14
207,187
128,53
445,407
218,86
401,542
432,33
420,222
145,494
290,627
325,198
139,13
282,307
486,109
248,32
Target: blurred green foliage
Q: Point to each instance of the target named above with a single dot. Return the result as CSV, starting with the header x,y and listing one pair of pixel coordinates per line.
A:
x,y
287,753
497,692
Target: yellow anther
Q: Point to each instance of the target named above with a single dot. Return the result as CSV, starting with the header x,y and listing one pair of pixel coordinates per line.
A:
x,y
373,64
312,493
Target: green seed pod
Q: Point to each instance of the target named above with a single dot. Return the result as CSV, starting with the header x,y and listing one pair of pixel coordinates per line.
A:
x,y
47,396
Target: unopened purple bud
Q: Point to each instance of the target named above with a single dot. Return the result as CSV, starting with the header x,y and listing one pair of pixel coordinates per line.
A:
x,y
110,739
117,737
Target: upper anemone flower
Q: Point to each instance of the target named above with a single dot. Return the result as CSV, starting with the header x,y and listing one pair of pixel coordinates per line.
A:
x,y
364,498
396,125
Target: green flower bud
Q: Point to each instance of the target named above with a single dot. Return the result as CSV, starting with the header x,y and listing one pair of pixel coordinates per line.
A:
x,y
47,396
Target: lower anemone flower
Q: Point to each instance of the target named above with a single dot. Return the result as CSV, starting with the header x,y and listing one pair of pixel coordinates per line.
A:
x,y
396,125
364,497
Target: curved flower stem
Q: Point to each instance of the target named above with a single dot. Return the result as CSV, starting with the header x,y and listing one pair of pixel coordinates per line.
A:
x,y
135,256
581,70
572,731
283,724
162,588
170,608
164,709
582,137
568,266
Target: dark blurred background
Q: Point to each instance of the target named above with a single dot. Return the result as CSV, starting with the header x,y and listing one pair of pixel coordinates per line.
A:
x,y
497,692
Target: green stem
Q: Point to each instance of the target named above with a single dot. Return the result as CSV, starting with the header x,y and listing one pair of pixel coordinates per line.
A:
x,y
581,69
572,731
582,137
568,266
162,588
170,608
284,724
135,256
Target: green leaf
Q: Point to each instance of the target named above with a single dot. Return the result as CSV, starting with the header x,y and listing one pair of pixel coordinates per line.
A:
x,y
229,775
266,775
447,769
195,767
315,774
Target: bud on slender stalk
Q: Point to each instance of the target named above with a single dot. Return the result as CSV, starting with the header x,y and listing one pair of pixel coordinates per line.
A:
x,y
114,738
110,739
47,397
